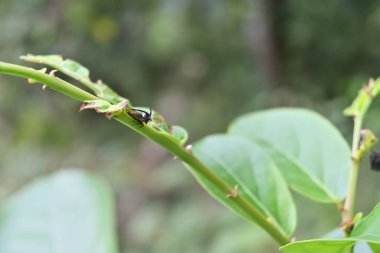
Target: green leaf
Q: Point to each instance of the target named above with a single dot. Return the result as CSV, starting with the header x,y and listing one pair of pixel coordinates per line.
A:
x,y
319,246
159,121
179,133
70,211
247,169
312,155
78,72
369,227
175,133
103,106
367,230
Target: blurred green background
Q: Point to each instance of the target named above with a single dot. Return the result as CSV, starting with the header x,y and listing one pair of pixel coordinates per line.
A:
x,y
200,63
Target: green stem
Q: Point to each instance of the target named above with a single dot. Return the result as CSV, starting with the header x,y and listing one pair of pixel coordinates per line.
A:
x,y
358,110
202,169
51,81
156,136
349,204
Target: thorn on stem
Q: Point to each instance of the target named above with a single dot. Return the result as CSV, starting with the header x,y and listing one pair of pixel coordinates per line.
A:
x,y
189,148
347,226
369,88
43,70
52,73
234,192
108,115
124,104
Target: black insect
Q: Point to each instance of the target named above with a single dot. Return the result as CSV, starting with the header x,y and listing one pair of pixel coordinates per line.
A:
x,y
140,116
375,161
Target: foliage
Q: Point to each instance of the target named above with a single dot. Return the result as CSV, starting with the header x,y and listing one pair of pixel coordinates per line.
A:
x,y
198,63
250,168
70,211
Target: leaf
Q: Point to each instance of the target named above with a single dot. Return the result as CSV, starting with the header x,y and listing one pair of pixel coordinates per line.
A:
x,y
369,227
159,121
319,246
113,103
78,72
179,133
374,247
244,166
367,230
70,211
175,133
103,106
312,155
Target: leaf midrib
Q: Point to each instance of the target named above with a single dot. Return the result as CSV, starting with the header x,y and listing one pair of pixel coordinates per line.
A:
x,y
292,159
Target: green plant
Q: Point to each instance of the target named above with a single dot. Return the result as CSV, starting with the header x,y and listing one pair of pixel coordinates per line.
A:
x,y
250,168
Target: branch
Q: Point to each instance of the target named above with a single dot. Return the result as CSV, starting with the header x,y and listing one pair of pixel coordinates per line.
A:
x,y
153,134
362,141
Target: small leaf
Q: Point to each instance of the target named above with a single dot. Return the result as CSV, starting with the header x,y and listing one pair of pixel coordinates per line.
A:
x,y
78,72
103,106
160,121
176,133
313,156
245,167
70,211
357,218
179,133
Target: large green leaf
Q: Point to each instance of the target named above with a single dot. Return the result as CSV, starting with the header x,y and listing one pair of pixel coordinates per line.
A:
x,y
70,211
312,155
367,230
240,162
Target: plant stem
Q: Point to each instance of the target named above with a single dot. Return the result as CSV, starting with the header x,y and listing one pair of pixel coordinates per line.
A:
x,y
156,136
51,81
358,109
349,204
202,169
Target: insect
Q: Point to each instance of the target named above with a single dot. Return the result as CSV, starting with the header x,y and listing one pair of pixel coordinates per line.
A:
x,y
140,116
375,161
